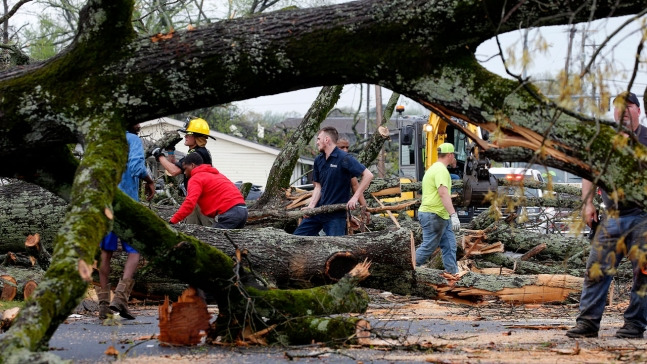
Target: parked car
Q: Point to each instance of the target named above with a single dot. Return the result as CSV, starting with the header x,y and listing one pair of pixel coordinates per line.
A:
x,y
254,193
532,217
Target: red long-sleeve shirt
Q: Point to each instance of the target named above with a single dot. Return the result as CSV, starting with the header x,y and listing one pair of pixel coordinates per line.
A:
x,y
211,190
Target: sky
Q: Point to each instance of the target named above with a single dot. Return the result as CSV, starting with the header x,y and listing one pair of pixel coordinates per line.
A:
x,y
619,53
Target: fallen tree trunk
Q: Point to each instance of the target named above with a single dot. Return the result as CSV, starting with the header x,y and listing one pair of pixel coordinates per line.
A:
x,y
26,209
520,240
474,288
291,260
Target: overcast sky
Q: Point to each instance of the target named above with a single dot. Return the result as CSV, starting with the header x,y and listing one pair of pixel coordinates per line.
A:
x,y
620,53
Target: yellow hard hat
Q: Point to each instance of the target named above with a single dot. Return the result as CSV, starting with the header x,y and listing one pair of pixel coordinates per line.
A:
x,y
196,126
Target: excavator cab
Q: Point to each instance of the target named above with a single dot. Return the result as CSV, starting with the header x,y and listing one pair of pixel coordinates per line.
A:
x,y
419,141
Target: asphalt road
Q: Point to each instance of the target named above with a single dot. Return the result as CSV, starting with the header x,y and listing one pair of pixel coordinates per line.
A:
x,y
403,330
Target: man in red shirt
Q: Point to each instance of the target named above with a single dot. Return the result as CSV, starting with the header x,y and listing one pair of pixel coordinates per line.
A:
x,y
216,195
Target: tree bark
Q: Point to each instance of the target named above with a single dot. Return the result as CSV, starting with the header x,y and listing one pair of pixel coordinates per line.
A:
x,y
303,261
27,209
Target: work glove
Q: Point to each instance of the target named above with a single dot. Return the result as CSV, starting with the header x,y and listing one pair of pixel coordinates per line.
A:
x,y
456,223
157,152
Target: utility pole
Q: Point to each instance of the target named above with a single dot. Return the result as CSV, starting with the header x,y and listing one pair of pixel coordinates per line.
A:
x,y
378,117
368,100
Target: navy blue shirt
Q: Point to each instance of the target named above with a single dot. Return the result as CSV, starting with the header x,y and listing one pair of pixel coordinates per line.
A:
x,y
334,175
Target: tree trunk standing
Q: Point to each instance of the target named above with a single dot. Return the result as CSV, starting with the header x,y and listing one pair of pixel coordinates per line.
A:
x,y
281,171
27,209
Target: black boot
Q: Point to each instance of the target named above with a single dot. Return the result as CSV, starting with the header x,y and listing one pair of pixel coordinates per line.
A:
x,y
582,329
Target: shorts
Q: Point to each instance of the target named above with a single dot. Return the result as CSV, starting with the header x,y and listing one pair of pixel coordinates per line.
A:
x,y
109,243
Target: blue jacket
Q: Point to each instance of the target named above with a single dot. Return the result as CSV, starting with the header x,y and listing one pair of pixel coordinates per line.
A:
x,y
136,167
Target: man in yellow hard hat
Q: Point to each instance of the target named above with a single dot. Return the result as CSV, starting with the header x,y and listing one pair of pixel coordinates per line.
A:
x,y
196,133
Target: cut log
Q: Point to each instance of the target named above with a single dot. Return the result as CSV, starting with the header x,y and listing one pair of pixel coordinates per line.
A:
x,y
186,322
475,288
9,287
28,289
19,278
35,248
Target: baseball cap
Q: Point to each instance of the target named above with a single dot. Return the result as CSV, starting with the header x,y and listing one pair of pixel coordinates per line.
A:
x,y
446,148
629,96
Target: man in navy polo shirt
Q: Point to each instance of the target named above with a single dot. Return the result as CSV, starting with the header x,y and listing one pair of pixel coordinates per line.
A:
x,y
332,174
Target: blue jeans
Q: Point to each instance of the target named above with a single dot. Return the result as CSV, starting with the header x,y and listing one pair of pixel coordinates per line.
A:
x,y
234,218
311,226
437,231
603,260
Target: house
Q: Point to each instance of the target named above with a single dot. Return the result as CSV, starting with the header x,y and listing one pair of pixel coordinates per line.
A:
x,y
236,158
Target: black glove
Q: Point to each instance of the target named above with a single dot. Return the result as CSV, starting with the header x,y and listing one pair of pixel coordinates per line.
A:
x,y
157,152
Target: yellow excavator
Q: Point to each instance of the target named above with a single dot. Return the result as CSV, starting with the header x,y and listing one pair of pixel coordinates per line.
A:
x,y
419,141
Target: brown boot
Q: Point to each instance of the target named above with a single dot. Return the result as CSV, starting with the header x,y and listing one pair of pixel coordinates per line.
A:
x,y
120,301
104,301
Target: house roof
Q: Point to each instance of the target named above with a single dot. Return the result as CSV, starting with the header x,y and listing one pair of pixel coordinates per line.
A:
x,y
230,138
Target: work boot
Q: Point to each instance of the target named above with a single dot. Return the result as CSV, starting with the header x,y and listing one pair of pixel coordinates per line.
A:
x,y
629,331
104,301
120,301
582,330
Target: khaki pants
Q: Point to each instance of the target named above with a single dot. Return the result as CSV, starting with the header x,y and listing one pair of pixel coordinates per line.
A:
x,y
197,218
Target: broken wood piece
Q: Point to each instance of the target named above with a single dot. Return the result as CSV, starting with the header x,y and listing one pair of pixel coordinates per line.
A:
x,y
301,200
517,289
534,251
387,211
7,318
186,322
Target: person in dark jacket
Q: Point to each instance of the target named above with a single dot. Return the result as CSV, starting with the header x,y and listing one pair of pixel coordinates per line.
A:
x,y
622,233
216,195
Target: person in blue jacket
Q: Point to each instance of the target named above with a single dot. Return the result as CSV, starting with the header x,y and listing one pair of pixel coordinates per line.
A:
x,y
135,170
